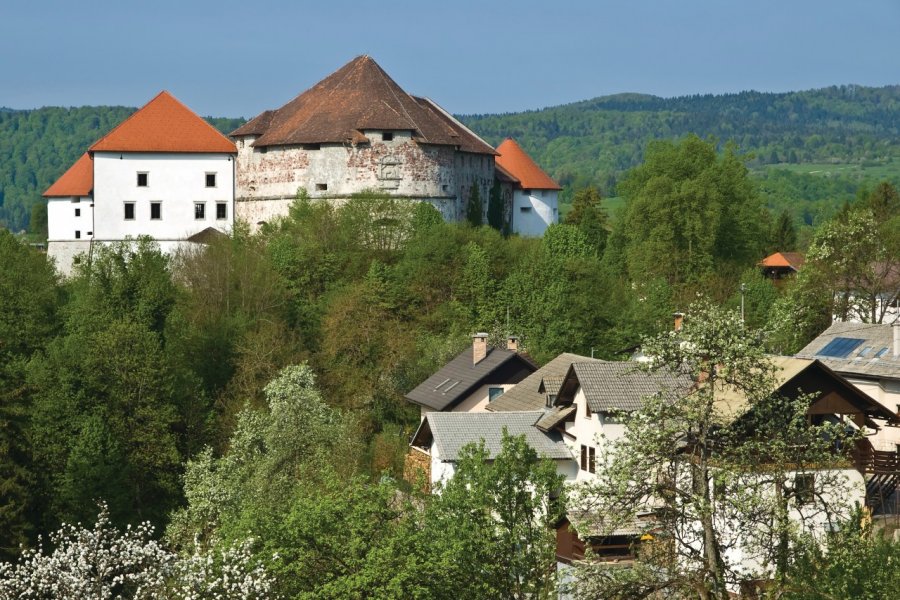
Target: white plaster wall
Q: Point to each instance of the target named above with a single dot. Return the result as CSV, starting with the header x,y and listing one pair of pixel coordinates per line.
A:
x,y
887,393
176,180
544,211
588,431
62,222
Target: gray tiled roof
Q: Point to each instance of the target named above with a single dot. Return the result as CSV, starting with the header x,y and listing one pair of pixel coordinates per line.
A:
x,y
460,377
453,430
612,386
555,416
525,396
875,338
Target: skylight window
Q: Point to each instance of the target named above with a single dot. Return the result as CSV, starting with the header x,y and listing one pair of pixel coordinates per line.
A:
x,y
840,347
865,352
881,353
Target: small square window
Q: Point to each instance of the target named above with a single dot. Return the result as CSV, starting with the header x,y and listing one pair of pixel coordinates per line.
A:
x,y
804,487
525,209
77,212
77,235
90,233
387,136
143,179
494,393
155,211
221,210
199,210
321,187
210,180
129,211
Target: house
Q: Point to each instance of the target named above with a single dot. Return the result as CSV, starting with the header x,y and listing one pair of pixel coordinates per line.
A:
x,y
538,391
477,377
781,264
534,203
164,172
593,395
868,356
436,445
358,130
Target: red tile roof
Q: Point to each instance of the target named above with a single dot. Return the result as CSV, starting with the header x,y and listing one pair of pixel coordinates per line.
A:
x,y
77,181
164,125
359,96
516,162
793,260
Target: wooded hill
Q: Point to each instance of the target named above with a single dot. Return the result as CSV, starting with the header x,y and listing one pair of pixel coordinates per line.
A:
x,y
812,150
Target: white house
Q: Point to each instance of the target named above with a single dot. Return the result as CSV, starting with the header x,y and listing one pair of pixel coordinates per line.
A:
x,y
475,379
164,172
535,204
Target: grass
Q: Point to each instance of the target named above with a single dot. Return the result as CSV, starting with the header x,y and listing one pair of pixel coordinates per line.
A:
x,y
612,205
887,171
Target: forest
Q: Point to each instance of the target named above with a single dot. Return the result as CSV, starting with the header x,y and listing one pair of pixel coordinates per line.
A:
x,y
245,399
810,150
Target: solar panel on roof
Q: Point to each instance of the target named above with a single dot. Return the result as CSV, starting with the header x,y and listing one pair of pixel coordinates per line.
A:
x,y
840,347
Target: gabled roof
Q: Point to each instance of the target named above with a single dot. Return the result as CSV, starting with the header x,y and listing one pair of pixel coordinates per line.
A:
x,y
460,377
449,432
359,96
792,260
527,395
516,162
619,385
78,180
556,416
164,125
871,356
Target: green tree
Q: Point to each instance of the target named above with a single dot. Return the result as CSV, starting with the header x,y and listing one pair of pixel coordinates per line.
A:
x,y
473,207
784,234
495,209
588,215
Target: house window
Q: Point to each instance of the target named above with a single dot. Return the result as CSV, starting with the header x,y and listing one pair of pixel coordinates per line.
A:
x,y
321,187
592,460
129,211
587,409
210,180
221,210
387,136
584,457
77,235
525,209
494,393
143,179
77,212
155,211
551,398
804,487
199,210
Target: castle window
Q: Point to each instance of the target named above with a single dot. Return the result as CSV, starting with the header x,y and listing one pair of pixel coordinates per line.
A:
x,y
221,211
143,179
321,187
199,210
311,146
387,136
77,212
77,235
525,209
155,211
129,211
210,180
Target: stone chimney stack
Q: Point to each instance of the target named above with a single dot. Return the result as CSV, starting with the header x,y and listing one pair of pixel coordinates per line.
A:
x,y
512,343
679,320
479,347
895,327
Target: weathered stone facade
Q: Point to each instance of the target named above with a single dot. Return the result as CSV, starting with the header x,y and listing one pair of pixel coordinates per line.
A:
x,y
269,178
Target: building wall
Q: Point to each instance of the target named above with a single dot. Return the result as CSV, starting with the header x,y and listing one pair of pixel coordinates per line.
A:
x,y
587,431
269,178
178,181
887,393
66,254
533,211
62,222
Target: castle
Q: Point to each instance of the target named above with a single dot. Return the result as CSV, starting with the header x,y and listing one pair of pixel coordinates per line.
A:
x,y
166,173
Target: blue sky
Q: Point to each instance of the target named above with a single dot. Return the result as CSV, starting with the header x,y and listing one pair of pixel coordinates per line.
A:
x,y
229,58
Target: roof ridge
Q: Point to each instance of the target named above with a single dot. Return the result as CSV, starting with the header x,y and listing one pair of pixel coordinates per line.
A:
x,y
387,81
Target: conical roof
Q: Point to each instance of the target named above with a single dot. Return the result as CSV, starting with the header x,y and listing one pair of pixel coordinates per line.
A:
x,y
164,125
78,180
518,164
357,97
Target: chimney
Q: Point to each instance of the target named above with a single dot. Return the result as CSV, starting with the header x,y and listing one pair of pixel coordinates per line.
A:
x,y
895,327
479,347
512,343
679,320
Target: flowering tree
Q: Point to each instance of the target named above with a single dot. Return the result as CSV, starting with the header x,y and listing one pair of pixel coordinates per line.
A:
x,y
101,563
